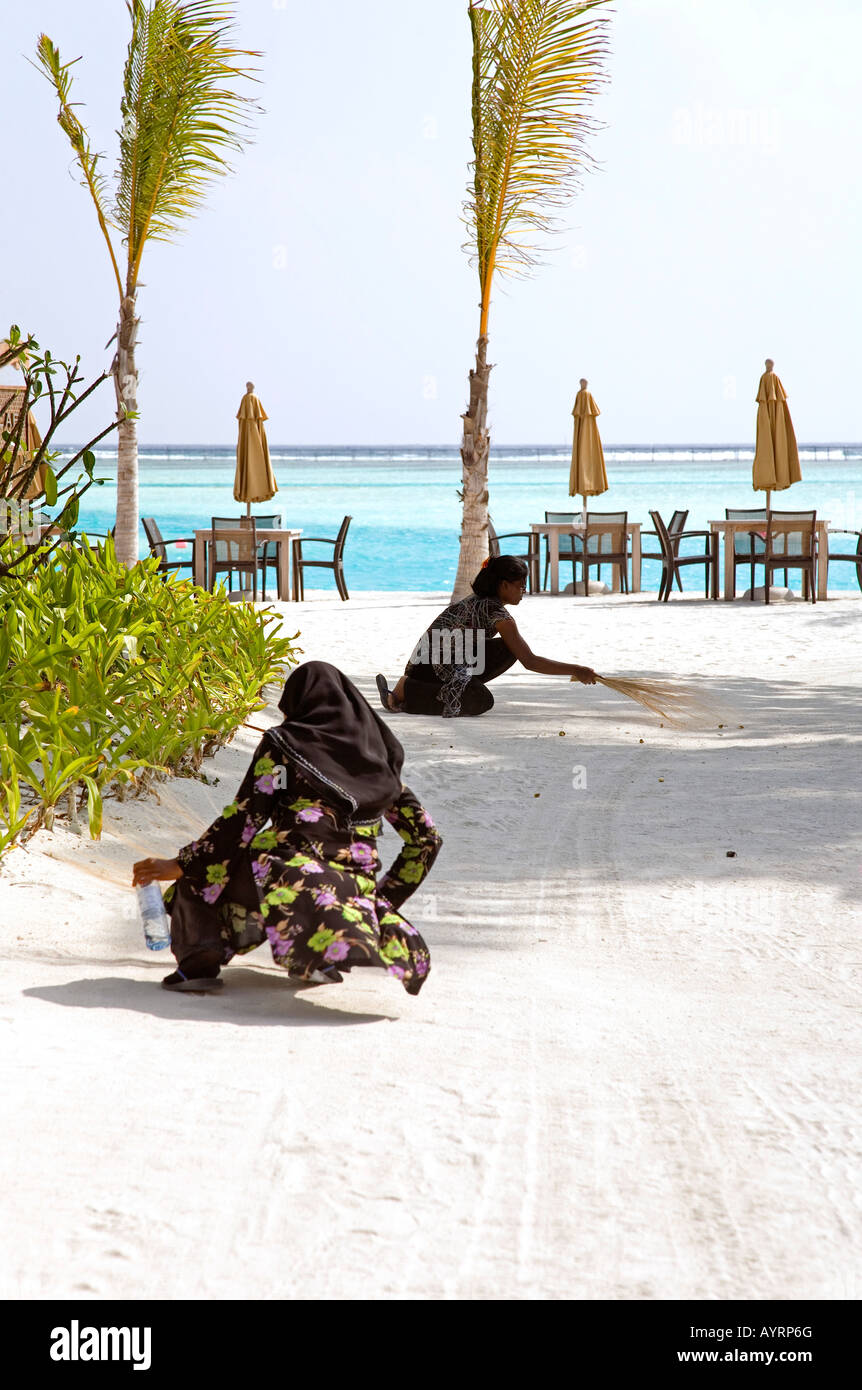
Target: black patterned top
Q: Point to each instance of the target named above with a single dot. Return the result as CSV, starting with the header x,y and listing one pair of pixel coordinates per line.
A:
x,y
452,645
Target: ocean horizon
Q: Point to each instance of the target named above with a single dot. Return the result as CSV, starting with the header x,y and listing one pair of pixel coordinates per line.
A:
x,y
405,507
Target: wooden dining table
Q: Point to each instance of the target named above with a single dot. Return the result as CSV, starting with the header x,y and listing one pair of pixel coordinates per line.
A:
x,y
727,530
282,536
554,529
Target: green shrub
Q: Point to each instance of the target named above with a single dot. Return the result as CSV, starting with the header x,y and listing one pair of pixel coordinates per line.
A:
x,y
111,677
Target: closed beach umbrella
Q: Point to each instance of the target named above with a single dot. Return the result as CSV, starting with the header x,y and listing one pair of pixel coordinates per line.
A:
x,y
587,477
255,480
776,457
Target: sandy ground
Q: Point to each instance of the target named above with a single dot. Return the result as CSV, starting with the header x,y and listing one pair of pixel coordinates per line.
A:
x,y
632,1074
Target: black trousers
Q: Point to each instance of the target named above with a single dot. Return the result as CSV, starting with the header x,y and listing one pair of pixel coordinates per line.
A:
x,y
422,686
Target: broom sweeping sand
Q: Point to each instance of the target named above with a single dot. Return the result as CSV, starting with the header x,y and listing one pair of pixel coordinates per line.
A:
x,y
632,1073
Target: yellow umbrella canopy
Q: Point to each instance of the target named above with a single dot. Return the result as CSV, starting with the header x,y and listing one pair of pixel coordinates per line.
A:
x,y
776,457
255,480
587,477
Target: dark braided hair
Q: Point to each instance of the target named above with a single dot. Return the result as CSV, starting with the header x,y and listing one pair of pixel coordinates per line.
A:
x,y
495,571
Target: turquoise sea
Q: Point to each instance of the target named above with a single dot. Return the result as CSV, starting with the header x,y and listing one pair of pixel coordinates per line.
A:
x,y
406,513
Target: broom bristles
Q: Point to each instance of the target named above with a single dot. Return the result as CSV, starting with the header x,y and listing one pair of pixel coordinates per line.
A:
x,y
672,701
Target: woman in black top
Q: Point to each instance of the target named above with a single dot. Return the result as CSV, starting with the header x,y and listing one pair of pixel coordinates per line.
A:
x,y
469,644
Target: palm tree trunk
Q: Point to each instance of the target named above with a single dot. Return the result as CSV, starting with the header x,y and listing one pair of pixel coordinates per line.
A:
x,y
475,445
126,387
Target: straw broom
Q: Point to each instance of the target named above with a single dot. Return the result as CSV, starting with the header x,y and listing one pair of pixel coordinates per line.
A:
x,y
672,701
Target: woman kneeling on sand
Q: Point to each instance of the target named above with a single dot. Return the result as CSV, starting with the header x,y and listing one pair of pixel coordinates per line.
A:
x,y
469,644
320,783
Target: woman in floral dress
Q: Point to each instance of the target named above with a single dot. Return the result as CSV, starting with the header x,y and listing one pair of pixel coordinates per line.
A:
x,y
294,858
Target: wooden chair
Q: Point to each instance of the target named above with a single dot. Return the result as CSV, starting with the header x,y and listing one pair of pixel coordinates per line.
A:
x,y
530,557
233,546
570,547
159,546
748,546
336,564
791,543
674,530
854,557
606,542
673,562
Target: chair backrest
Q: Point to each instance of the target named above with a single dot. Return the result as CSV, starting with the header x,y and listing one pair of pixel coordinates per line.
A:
x,y
493,543
341,537
835,554
606,533
675,526
664,538
154,537
234,539
790,533
742,540
269,549
566,543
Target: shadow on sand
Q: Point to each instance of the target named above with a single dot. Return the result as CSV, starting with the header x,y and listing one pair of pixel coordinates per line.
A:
x,y
249,997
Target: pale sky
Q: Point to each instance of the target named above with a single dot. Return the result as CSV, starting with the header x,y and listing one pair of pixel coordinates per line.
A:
x,y
723,227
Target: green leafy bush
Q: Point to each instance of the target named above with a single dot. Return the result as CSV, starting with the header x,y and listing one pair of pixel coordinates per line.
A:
x,y
111,677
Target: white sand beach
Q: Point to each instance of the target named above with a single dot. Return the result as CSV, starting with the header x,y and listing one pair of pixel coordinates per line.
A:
x,y
632,1073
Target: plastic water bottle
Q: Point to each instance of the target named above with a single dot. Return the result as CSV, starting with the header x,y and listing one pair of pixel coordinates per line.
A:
x,y
157,928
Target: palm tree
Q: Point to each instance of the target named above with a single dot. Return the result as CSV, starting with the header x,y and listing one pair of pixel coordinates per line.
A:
x,y
536,64
181,114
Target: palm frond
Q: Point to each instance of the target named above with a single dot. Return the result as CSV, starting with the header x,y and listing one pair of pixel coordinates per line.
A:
x,y
536,66
60,76
181,114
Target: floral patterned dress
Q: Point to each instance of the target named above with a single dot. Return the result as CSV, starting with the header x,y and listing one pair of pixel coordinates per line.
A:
x,y
315,874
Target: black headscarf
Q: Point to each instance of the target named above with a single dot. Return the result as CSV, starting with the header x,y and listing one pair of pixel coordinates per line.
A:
x,y
337,741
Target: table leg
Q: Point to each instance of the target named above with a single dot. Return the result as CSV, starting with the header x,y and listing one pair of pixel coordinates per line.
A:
x,y
713,550
729,570
533,563
554,546
198,562
284,570
822,561
636,561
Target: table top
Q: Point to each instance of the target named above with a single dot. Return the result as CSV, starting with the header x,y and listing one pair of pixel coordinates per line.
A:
x,y
267,533
755,523
579,525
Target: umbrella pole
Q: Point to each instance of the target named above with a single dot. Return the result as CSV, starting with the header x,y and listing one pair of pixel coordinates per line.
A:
x,y
584,542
